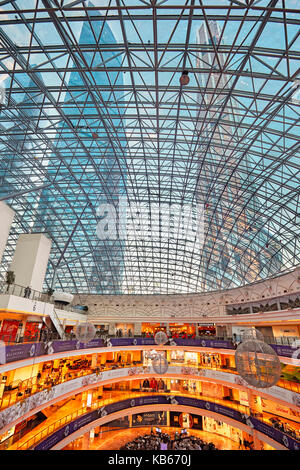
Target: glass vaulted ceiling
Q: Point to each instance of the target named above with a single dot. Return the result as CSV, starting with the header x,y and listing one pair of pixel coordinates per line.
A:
x,y
95,123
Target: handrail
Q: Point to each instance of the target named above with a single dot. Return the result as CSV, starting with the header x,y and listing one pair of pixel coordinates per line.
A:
x,y
53,335
21,291
62,332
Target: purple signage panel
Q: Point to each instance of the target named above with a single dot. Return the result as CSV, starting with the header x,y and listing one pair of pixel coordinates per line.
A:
x,y
204,343
18,352
121,341
275,434
286,351
94,343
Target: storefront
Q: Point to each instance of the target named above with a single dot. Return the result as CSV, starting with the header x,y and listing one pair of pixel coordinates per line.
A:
x,y
210,360
150,329
191,358
148,356
32,331
208,329
124,329
8,331
223,429
182,330
176,356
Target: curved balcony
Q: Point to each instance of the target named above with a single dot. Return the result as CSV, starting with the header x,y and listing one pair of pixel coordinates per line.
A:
x,y
105,409
41,399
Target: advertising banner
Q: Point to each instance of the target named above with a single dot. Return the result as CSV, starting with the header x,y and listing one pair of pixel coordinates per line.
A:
x,y
9,330
152,418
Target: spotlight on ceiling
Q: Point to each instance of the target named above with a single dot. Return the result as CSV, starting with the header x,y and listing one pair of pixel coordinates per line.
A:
x,y
184,79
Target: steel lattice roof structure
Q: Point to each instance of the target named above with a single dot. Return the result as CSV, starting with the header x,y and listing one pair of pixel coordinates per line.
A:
x,y
93,113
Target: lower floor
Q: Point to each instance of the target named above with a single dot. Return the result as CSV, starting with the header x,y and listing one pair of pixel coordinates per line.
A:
x,y
115,439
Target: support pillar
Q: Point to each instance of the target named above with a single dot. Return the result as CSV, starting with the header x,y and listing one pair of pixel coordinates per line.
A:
x,y
31,259
6,217
86,441
137,329
111,329
94,360
256,441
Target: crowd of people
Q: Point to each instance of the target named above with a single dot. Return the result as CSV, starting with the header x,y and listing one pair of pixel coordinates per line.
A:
x,y
164,441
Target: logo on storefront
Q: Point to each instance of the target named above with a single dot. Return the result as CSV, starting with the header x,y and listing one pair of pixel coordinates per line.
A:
x,y
173,400
285,441
67,430
207,405
203,343
132,403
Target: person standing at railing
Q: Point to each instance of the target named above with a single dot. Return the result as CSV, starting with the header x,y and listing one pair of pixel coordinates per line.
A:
x,y
27,292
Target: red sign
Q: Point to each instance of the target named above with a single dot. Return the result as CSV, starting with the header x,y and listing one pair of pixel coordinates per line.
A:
x,y
31,332
9,330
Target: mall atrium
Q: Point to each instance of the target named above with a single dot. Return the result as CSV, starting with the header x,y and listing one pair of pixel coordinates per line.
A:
x,y
149,225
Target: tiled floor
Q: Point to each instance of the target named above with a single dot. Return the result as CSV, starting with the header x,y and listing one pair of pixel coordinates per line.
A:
x,y
113,440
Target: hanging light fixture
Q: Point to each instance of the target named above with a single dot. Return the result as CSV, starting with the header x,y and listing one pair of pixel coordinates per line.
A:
x,y
184,79
85,332
257,363
160,364
160,338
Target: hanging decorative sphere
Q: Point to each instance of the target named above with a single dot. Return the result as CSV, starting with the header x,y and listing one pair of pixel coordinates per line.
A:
x,y
253,333
257,363
160,364
160,338
85,332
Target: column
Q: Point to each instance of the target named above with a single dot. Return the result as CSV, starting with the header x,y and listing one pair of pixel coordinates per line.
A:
x,y
111,329
229,331
256,441
137,329
94,360
31,259
86,441
6,217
